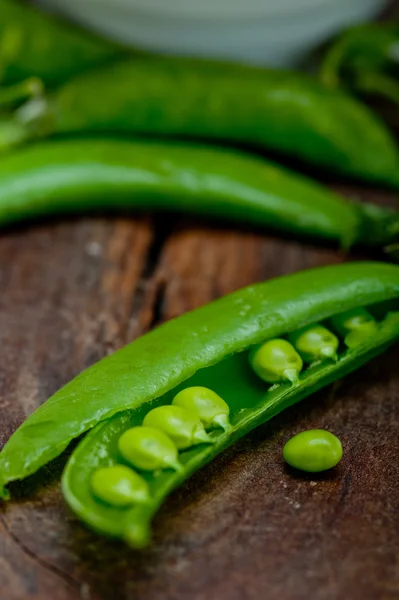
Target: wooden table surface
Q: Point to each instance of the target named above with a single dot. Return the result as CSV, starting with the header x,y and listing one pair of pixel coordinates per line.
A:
x,y
242,528
245,527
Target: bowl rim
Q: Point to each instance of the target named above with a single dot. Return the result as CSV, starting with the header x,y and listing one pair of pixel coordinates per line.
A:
x,y
215,9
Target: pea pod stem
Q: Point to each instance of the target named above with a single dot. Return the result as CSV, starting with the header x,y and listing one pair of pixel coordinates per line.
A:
x,y
201,339
73,176
134,526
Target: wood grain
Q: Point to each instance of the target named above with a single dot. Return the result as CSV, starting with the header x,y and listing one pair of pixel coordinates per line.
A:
x,y
245,527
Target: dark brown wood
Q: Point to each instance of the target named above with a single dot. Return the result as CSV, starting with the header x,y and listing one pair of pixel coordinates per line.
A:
x,y
245,527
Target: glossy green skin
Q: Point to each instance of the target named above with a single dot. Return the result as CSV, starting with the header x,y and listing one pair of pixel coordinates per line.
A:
x,y
283,111
210,408
119,486
251,404
315,343
166,359
355,325
276,361
366,60
353,319
148,449
313,451
33,43
182,426
85,175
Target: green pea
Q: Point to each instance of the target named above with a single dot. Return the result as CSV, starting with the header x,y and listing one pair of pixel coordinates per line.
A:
x,y
211,408
353,320
315,342
148,449
181,425
119,486
313,451
357,325
276,361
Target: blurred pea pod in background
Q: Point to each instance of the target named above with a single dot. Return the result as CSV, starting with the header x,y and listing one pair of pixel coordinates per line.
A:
x,y
40,45
365,59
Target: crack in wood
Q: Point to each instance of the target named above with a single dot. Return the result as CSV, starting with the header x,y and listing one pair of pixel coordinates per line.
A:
x,y
345,487
158,303
147,306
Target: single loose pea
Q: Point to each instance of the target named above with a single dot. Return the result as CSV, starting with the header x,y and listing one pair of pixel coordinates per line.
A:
x,y
313,451
357,325
276,361
315,342
181,425
148,449
119,486
211,408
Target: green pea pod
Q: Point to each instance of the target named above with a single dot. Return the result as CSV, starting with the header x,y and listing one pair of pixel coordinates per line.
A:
x,y
365,59
82,175
250,402
207,347
35,44
283,111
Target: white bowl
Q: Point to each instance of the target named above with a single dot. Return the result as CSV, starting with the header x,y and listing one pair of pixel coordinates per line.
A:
x,y
267,32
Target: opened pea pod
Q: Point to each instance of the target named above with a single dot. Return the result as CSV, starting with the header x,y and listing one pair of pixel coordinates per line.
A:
x,y
202,363
75,176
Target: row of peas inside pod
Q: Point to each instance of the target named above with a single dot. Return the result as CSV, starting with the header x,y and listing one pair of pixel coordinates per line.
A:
x,y
168,429
155,445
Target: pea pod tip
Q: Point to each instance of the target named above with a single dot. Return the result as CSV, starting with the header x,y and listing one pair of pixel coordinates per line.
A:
x,y
137,533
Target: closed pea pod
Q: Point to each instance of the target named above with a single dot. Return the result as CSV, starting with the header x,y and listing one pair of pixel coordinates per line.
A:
x,y
284,111
148,449
180,424
210,348
315,342
75,176
276,361
313,451
211,408
119,486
